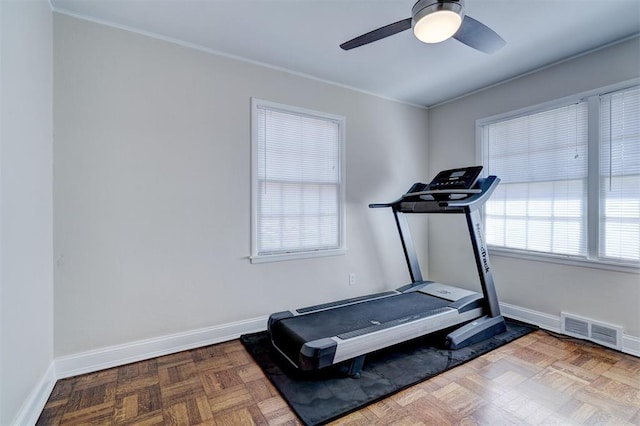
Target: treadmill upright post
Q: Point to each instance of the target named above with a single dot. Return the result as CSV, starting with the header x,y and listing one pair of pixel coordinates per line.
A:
x,y
481,255
407,245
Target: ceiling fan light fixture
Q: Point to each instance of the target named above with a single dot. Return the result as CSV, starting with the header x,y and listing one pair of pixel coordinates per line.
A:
x,y
436,21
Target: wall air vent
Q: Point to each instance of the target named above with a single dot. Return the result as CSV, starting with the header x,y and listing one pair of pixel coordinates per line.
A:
x,y
576,327
607,335
584,328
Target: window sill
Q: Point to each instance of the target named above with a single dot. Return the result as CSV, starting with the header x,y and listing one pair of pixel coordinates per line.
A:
x,y
294,256
565,260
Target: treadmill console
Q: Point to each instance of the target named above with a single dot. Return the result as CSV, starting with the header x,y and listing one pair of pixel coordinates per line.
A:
x,y
451,191
462,178
448,185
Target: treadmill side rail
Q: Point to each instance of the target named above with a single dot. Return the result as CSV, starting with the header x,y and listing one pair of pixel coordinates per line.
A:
x,y
360,345
447,292
467,303
344,302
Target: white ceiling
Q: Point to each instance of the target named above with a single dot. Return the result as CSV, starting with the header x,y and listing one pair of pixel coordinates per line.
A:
x,y
303,36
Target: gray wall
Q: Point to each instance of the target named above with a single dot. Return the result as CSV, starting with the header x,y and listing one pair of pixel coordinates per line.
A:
x,y
612,297
26,232
152,189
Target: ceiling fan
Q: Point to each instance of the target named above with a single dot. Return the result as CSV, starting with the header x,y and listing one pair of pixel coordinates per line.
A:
x,y
434,21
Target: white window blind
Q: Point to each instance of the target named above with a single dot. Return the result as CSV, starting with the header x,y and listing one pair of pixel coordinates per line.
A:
x,y
620,175
297,188
541,159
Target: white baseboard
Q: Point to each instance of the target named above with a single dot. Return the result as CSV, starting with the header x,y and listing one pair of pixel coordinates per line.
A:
x,y
542,320
113,356
630,344
33,405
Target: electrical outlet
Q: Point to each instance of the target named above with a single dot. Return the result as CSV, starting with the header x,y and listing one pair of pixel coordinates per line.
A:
x,y
352,278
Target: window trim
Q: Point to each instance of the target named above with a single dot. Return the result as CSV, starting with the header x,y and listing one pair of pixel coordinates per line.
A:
x,y
255,257
591,260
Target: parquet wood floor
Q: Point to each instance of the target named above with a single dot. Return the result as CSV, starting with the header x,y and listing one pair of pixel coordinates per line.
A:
x,y
537,379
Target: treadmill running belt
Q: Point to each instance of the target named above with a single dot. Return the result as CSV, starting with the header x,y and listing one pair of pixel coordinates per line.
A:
x,y
290,334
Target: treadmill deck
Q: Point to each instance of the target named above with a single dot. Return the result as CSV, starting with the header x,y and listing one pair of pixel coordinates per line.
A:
x,y
363,327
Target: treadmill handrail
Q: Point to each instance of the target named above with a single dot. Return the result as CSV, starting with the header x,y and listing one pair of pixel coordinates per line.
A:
x,y
444,191
419,203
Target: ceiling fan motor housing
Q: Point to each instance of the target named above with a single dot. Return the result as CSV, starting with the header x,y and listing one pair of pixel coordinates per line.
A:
x,y
425,7
434,21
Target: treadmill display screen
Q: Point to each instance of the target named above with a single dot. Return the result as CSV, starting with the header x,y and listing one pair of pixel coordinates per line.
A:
x,y
456,178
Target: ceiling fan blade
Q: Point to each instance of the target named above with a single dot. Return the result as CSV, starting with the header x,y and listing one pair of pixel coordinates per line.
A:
x,y
477,35
378,34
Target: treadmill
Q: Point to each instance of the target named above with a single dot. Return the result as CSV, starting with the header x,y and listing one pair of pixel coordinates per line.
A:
x,y
319,336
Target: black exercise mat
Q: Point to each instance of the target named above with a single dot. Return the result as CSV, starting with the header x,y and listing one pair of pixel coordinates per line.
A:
x,y
318,397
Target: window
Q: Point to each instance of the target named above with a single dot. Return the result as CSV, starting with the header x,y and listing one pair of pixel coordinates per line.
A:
x,y
620,175
570,179
297,182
